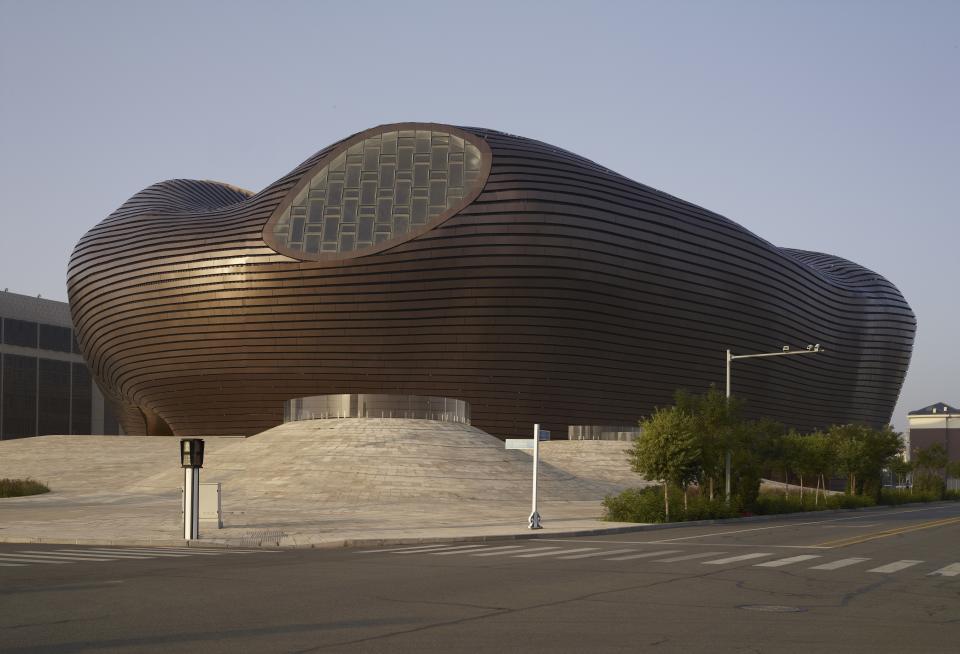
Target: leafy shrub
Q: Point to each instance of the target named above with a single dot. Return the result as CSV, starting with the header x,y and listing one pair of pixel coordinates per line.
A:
x,y
21,487
646,505
897,496
775,503
929,483
952,495
635,505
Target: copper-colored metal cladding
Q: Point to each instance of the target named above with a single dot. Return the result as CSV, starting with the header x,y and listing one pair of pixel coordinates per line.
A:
x,y
547,289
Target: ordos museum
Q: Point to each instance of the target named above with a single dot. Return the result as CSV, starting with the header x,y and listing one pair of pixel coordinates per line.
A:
x,y
431,260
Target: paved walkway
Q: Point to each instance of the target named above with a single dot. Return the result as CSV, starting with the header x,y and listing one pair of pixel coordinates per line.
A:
x,y
310,484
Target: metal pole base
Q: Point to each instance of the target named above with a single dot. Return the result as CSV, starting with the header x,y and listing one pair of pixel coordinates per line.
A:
x,y
534,521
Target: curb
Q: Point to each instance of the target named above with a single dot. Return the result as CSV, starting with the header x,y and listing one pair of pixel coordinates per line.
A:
x,y
291,542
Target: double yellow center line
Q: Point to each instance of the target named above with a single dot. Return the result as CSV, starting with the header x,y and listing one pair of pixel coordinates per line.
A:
x,y
862,538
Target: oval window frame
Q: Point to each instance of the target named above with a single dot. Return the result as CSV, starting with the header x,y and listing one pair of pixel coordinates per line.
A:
x,y
486,161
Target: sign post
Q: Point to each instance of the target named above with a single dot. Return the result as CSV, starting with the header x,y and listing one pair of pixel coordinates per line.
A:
x,y
191,460
534,521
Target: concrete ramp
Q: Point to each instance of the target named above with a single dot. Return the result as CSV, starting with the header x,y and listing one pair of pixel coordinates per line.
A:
x,y
356,460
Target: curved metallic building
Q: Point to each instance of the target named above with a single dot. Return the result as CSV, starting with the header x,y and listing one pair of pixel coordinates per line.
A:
x,y
425,259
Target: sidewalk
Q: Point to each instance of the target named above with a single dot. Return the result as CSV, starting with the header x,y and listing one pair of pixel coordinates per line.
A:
x,y
324,483
155,520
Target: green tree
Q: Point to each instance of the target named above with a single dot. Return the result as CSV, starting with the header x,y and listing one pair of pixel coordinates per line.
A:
x,y
931,463
803,456
849,450
931,459
747,462
881,448
716,418
667,450
953,469
822,461
862,453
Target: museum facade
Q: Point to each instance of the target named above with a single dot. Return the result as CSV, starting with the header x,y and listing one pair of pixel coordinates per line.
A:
x,y
432,260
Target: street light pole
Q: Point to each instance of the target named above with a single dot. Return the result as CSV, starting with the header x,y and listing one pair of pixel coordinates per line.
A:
x,y
785,351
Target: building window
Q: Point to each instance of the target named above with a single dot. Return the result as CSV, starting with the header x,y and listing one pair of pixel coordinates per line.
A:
x,y
59,339
81,419
19,332
19,395
54,414
379,189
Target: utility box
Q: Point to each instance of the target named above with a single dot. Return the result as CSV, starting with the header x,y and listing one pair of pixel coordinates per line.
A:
x,y
211,514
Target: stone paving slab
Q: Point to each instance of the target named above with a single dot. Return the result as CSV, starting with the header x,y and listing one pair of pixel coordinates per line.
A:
x,y
318,483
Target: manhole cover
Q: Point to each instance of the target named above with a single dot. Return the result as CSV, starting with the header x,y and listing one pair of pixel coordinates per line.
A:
x,y
771,608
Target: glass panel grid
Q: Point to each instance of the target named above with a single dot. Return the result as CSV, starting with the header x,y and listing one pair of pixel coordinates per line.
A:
x,y
378,189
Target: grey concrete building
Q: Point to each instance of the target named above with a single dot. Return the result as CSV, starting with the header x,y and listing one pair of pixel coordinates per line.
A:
x,y
45,385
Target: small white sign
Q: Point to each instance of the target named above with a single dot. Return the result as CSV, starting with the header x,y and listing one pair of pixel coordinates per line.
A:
x,y
519,443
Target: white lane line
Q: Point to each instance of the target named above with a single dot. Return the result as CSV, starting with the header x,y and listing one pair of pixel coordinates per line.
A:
x,y
737,559
445,548
951,570
26,558
600,553
688,557
500,551
841,563
12,565
475,548
541,553
643,556
104,553
404,549
66,557
788,561
895,566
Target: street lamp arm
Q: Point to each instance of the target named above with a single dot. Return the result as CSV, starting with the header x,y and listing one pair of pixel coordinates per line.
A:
x,y
731,357
773,354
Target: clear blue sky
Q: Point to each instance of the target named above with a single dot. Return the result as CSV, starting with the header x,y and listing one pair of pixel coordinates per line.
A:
x,y
831,126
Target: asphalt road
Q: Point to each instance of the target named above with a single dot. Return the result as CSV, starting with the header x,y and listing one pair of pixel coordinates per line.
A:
x,y
873,581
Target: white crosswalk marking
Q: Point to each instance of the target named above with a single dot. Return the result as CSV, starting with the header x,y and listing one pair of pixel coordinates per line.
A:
x,y
895,566
475,548
841,563
446,547
540,553
540,549
688,557
645,555
737,559
788,561
68,557
112,554
951,570
600,553
127,553
499,551
404,549
27,558
190,552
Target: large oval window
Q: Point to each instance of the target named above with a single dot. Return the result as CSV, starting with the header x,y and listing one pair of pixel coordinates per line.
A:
x,y
379,189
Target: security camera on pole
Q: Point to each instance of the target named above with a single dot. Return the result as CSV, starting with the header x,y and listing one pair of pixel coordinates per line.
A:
x,y
191,459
